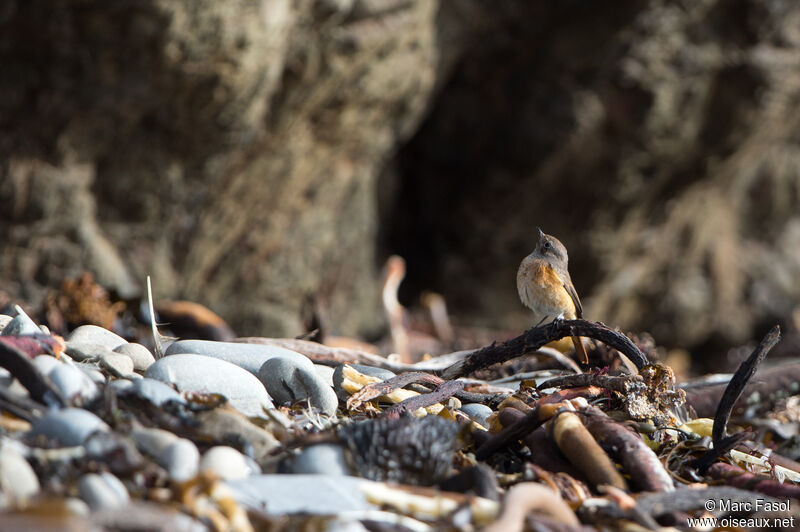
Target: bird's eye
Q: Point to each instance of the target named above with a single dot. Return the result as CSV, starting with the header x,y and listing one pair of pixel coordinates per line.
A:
x,y
547,245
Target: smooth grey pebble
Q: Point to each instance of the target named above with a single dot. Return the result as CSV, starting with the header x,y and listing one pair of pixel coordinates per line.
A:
x,y
17,478
325,372
181,460
118,365
292,494
288,381
247,356
81,351
73,382
141,356
152,442
45,363
225,462
92,334
156,391
478,413
69,426
199,373
323,459
103,491
19,325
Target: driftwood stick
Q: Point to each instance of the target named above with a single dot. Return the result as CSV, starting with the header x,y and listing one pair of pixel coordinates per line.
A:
x,y
443,392
621,384
735,387
378,389
536,337
722,442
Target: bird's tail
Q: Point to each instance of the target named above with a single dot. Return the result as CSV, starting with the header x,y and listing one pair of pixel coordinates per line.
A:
x,y
580,349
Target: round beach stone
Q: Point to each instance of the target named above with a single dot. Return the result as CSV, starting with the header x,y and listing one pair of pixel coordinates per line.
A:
x,y
92,334
45,363
152,442
5,319
72,382
370,371
323,458
103,491
307,494
81,351
181,460
118,365
478,413
199,373
247,356
156,391
20,324
225,462
325,372
141,356
17,479
69,427
288,381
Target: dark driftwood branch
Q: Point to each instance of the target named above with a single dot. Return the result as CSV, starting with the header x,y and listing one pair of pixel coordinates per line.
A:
x,y
443,392
722,442
536,337
621,384
736,385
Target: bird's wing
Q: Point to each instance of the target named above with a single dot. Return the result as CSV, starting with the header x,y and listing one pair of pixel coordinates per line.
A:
x,y
574,296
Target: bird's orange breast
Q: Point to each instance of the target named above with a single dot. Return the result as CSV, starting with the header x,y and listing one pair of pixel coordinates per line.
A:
x,y
542,290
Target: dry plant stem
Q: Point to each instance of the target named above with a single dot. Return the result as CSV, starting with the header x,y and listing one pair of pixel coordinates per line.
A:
x,y
686,500
615,384
41,389
772,385
443,392
530,497
735,476
638,460
581,449
536,337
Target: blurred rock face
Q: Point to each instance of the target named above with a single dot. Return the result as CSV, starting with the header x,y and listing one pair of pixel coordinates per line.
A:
x,y
233,150
229,149
658,141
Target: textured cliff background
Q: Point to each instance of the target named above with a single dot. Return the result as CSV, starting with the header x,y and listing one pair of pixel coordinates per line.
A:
x,y
254,155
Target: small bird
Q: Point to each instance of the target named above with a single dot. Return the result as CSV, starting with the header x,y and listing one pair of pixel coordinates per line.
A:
x,y
545,287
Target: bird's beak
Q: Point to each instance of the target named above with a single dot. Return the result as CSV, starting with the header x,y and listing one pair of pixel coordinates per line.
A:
x,y
541,233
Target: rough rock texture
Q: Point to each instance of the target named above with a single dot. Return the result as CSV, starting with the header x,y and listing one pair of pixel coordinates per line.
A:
x,y
233,151
657,139
229,149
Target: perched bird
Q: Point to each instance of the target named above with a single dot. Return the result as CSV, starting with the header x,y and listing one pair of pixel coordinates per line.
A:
x,y
545,287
